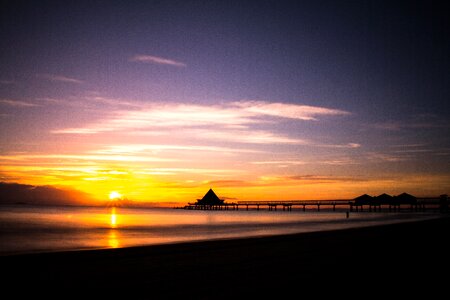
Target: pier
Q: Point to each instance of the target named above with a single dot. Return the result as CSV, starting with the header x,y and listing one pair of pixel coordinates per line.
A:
x,y
423,204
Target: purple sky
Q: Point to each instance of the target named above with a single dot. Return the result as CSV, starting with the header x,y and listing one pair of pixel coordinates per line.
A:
x,y
331,97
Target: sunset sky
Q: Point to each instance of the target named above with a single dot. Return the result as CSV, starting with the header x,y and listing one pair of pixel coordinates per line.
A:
x,y
259,100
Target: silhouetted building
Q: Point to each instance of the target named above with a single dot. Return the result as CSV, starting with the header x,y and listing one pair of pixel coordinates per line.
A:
x,y
383,199
210,198
363,200
404,198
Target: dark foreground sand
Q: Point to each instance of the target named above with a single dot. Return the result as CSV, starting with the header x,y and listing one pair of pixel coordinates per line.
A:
x,y
410,258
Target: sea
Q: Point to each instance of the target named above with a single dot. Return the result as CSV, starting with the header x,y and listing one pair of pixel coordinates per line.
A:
x,y
31,229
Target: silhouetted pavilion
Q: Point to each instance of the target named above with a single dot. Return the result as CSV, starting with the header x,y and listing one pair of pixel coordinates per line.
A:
x,y
384,199
405,198
210,198
363,200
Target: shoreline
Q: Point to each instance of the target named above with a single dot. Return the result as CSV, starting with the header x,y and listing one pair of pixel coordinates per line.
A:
x,y
406,219
407,251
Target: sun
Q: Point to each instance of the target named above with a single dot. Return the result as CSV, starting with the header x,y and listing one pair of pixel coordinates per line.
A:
x,y
114,195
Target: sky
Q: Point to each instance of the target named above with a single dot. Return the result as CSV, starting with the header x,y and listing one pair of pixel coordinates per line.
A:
x,y
259,100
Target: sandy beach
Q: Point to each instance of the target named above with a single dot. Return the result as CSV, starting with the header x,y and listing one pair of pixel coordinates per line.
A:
x,y
377,258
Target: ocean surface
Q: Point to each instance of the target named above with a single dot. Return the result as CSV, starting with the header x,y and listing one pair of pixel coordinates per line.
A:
x,y
26,229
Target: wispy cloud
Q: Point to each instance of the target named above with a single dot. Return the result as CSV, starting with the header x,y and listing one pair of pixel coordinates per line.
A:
x,y
443,153
340,146
153,148
169,116
343,161
323,178
231,122
86,157
245,136
229,183
387,157
78,131
49,100
156,60
289,180
115,102
421,121
407,145
17,103
413,151
59,78
202,171
292,111
93,101
279,162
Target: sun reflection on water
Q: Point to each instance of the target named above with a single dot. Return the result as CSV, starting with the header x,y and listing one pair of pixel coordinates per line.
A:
x,y
113,240
113,219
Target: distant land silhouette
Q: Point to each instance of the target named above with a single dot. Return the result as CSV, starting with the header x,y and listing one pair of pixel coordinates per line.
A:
x,y
15,193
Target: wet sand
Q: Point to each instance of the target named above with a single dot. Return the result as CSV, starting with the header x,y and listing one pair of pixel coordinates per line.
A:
x,y
406,258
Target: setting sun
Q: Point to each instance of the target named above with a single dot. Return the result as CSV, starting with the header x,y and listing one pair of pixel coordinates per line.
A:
x,y
114,195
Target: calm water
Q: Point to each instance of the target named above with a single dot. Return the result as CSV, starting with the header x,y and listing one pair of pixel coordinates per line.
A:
x,y
35,229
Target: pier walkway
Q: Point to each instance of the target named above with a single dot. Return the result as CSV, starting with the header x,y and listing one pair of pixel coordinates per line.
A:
x,y
422,204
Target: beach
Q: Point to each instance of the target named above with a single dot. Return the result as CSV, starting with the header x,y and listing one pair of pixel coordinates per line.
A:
x,y
377,258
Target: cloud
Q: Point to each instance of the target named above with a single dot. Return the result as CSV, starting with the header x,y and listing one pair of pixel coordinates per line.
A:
x,y
414,151
340,146
291,111
139,148
290,180
229,183
323,178
17,103
92,101
201,171
343,161
86,157
339,161
421,121
172,115
407,145
114,102
45,195
53,100
232,122
77,131
279,162
59,78
156,60
387,157
243,136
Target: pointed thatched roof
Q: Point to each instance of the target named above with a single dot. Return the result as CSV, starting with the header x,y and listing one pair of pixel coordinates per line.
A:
x,y
363,199
384,198
405,198
210,198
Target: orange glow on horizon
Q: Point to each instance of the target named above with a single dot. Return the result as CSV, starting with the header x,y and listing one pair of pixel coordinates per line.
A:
x,y
185,181
183,188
